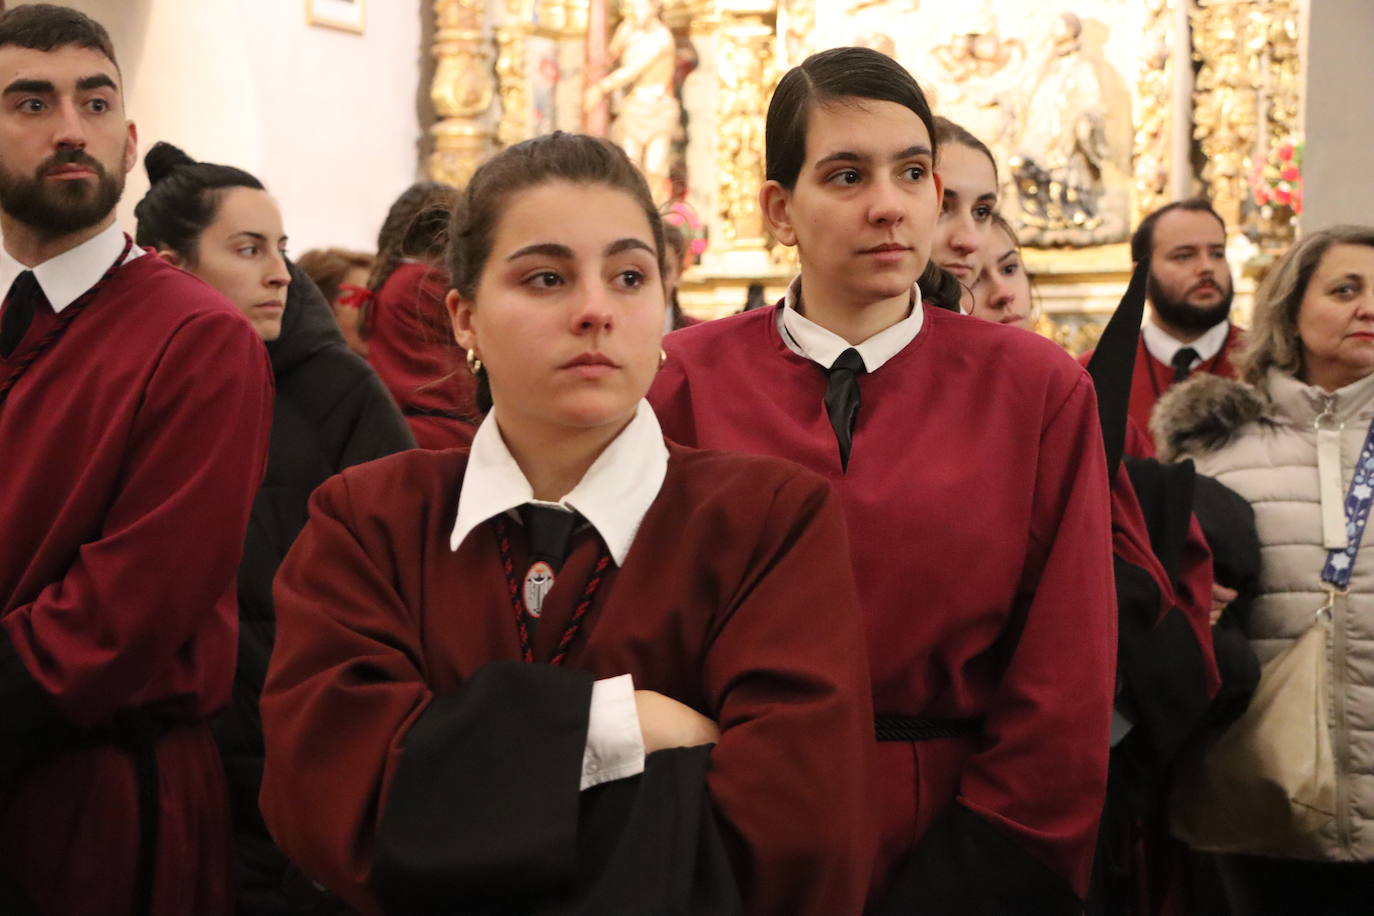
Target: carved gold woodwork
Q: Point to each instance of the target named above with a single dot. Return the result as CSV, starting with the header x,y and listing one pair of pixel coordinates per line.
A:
x,y
462,92
576,17
1246,98
796,32
746,73
1153,94
1076,337
511,81
484,93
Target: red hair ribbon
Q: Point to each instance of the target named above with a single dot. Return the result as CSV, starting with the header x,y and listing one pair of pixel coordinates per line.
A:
x,y
354,297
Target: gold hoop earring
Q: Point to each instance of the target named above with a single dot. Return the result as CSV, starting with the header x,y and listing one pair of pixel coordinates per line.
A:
x,y
662,357
474,364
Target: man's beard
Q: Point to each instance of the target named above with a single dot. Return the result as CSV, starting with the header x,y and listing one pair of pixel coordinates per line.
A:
x,y
56,208
1181,314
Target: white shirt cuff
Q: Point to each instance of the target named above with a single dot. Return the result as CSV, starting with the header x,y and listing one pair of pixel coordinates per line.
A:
x,y
615,745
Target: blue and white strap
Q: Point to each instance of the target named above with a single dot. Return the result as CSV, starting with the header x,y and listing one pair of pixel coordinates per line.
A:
x,y
1340,559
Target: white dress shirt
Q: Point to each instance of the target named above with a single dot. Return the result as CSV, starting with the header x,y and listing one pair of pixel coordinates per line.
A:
x,y
806,338
613,496
65,277
1163,347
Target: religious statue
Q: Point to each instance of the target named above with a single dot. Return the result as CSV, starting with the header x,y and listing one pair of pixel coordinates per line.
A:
x,y
978,52
644,54
1062,148
980,78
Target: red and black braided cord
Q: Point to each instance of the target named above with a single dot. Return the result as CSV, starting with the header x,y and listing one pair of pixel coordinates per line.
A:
x,y
517,604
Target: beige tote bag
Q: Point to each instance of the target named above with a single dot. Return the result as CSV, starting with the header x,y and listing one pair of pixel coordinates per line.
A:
x,y
1270,778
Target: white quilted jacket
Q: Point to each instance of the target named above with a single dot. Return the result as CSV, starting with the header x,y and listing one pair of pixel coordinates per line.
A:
x,y
1272,463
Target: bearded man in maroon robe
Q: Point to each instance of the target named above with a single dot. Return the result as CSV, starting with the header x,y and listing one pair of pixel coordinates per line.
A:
x,y
134,411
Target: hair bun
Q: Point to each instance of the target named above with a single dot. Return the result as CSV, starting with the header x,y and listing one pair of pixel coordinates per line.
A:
x,y
163,159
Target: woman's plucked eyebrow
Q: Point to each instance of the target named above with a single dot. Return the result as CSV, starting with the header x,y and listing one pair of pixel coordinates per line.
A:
x,y
547,249
911,152
628,244
563,252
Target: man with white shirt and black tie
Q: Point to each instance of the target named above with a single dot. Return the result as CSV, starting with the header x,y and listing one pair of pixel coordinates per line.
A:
x,y
1190,292
135,404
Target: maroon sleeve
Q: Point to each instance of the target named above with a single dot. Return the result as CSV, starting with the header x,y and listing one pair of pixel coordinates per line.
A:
x,y
671,398
1041,776
344,686
385,793
118,628
1131,539
788,679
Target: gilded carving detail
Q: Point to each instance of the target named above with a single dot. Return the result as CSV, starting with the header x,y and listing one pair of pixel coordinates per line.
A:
x,y
1153,93
511,80
796,32
1077,337
462,92
746,71
1246,97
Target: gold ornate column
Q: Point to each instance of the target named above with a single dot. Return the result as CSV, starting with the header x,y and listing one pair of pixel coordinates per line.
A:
x,y
796,32
598,120
512,81
1247,91
746,74
1154,89
462,92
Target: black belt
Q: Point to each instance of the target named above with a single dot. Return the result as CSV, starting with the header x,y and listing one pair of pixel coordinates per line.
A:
x,y
920,728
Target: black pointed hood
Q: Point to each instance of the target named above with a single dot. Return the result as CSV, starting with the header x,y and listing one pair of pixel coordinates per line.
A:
x,y
1112,366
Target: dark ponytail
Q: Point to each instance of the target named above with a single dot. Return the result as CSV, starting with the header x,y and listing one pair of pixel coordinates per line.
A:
x,y
416,226
940,288
183,200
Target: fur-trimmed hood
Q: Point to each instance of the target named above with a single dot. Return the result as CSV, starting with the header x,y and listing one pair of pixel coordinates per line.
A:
x,y
1203,414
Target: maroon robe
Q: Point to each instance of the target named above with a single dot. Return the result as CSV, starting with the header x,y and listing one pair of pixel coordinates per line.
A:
x,y
979,523
410,345
131,453
1152,378
729,600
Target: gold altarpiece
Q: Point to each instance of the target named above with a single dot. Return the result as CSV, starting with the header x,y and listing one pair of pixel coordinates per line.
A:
x,y
1098,111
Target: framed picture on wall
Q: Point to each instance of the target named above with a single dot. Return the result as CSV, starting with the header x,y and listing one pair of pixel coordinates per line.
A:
x,y
336,14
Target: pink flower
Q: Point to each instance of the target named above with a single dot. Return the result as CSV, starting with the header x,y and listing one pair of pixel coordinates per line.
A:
x,y
1289,174
1286,152
1261,196
1282,197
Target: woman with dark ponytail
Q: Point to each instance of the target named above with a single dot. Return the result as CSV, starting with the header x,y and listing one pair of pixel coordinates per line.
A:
x,y
577,669
330,412
409,338
970,462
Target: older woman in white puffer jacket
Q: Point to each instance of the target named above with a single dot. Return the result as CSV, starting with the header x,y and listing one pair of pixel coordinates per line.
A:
x,y
1310,353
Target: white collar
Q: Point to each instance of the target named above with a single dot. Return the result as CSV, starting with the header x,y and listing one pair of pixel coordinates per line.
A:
x,y
613,495
806,338
64,278
1163,347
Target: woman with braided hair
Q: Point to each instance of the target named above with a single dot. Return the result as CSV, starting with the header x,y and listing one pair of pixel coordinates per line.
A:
x,y
409,339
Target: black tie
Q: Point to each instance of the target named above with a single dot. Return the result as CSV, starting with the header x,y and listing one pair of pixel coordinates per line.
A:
x,y
548,531
1183,363
20,305
842,399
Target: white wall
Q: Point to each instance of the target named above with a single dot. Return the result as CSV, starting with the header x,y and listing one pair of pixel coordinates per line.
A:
x,y
1337,186
326,119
